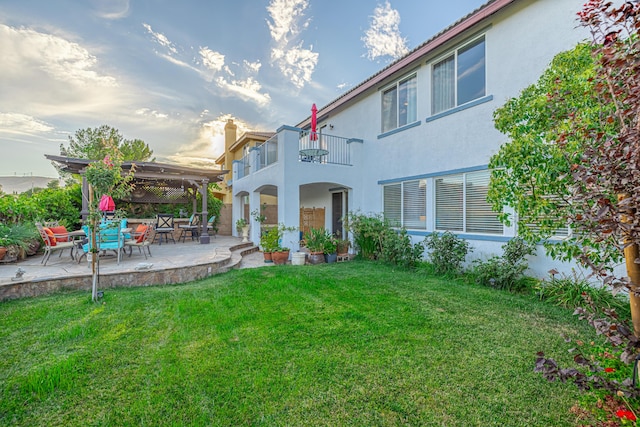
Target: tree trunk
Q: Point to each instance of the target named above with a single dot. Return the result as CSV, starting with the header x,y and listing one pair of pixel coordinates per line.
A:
x,y
633,271
631,253
92,245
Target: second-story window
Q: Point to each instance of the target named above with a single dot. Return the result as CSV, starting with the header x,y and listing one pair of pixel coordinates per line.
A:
x,y
399,104
459,78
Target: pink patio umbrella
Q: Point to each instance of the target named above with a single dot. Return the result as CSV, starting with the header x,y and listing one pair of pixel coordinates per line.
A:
x,y
314,123
107,204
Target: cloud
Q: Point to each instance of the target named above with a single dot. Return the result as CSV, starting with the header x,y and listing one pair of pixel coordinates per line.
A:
x,y
248,89
45,74
209,143
287,22
112,9
252,67
161,39
16,123
383,36
210,65
213,61
60,59
147,112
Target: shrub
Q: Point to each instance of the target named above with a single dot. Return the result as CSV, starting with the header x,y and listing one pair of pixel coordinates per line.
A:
x,y
51,204
570,292
375,239
316,238
398,249
367,233
505,272
447,252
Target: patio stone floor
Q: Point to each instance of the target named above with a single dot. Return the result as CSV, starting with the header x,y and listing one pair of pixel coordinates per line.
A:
x,y
169,263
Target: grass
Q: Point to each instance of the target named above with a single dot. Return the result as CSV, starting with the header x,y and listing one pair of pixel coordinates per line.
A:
x,y
343,344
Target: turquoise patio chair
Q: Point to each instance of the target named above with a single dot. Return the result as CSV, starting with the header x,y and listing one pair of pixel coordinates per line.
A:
x,y
109,237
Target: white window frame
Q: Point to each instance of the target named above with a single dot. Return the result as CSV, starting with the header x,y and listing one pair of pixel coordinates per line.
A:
x,y
410,211
467,221
454,54
412,110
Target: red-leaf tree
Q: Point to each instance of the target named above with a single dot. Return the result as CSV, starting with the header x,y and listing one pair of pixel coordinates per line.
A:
x,y
605,176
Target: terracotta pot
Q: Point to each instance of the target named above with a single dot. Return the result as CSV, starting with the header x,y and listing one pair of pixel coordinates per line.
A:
x,y
280,257
34,245
3,251
268,256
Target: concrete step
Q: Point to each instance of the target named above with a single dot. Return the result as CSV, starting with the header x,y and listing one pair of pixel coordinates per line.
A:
x,y
238,253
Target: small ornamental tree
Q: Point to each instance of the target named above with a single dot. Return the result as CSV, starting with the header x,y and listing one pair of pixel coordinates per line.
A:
x,y
104,177
530,173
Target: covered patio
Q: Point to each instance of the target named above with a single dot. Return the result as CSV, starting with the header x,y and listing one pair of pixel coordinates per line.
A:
x,y
155,183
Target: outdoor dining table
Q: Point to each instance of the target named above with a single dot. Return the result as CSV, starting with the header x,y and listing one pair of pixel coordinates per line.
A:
x,y
76,237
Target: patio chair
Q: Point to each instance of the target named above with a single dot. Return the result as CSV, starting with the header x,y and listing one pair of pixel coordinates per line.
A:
x,y
139,239
192,228
211,225
53,242
109,237
164,227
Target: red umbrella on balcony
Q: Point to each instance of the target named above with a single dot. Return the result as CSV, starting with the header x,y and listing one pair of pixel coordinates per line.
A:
x,y
314,123
106,203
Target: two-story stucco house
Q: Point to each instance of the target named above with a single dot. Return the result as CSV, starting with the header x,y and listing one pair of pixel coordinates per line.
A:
x,y
413,141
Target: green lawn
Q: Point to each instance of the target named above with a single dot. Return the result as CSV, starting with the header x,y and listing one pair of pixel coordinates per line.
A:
x,y
344,344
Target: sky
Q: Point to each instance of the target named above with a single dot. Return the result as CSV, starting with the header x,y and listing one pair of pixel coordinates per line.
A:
x,y
171,73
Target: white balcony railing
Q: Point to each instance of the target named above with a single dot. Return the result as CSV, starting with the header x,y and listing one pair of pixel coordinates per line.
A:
x,y
323,148
267,152
244,167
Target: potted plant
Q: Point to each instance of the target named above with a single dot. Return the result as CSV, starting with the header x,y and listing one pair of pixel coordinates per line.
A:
x,y
15,239
342,246
243,227
314,240
259,217
3,247
269,242
329,249
280,254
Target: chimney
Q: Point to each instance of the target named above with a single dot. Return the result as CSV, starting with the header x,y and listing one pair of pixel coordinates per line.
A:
x,y
229,139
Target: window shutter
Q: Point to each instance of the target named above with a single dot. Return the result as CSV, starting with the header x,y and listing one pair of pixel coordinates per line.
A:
x,y
392,204
534,224
480,217
415,204
449,208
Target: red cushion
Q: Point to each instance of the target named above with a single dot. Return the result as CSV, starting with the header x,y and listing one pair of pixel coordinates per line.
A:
x,y
61,232
52,238
140,233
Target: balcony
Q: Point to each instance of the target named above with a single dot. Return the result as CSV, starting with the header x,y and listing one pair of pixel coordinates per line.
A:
x,y
323,148
293,146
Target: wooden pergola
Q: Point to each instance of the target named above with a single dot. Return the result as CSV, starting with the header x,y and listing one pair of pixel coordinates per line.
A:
x,y
154,183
